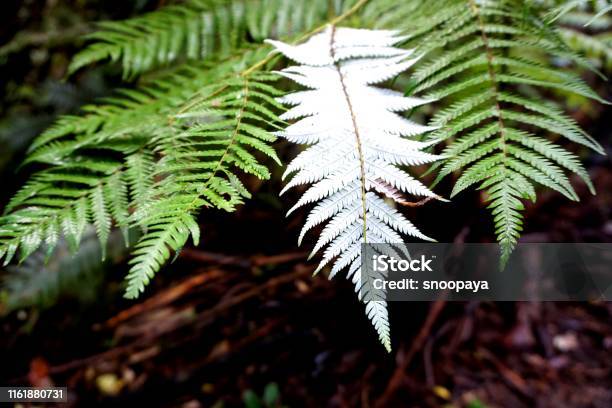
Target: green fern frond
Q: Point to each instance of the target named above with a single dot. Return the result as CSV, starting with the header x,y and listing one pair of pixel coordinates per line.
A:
x,y
181,152
198,29
198,167
166,234
64,200
175,142
585,26
137,115
597,46
488,63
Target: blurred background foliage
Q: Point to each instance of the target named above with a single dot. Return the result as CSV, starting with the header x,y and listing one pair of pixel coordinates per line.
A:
x,y
39,38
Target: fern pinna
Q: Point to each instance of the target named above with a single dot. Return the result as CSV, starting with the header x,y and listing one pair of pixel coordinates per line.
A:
x,y
199,29
143,161
198,166
358,142
485,65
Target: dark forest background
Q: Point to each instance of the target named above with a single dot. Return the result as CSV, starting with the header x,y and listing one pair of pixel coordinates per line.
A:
x,y
240,321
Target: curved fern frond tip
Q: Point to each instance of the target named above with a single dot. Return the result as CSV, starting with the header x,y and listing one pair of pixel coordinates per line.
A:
x,y
484,65
357,142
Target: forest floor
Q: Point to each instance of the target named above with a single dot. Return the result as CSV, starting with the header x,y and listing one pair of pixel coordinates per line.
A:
x,y
215,326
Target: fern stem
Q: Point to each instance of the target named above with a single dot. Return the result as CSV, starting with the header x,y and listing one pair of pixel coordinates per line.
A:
x,y
227,148
331,22
491,73
505,237
357,136
259,64
194,102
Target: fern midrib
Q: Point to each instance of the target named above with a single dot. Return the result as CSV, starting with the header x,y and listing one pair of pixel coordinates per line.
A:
x,y
357,135
262,62
239,117
494,87
491,72
331,22
58,210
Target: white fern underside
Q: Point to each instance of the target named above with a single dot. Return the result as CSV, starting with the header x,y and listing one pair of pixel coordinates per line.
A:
x,y
358,141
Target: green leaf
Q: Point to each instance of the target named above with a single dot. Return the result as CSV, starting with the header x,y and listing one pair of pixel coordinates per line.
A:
x,y
101,217
494,69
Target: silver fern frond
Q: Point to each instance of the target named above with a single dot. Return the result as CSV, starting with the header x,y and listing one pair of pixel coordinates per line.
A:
x,y
358,144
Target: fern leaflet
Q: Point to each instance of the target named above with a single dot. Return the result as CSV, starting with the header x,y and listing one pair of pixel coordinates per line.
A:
x,y
485,65
198,168
357,145
135,162
198,29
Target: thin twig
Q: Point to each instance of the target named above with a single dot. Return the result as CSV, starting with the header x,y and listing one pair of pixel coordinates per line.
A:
x,y
400,371
163,298
417,203
204,319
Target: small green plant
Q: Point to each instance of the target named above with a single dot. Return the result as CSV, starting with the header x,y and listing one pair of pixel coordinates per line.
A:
x,y
270,398
476,403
